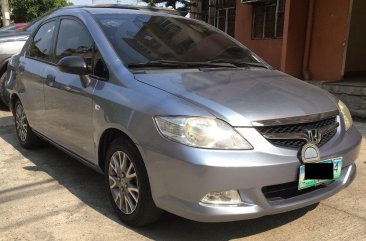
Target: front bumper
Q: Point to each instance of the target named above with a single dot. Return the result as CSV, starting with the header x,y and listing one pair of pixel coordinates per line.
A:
x,y
260,206
180,176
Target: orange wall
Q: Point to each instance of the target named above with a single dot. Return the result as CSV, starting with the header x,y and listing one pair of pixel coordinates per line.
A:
x,y
269,50
294,36
330,30
328,41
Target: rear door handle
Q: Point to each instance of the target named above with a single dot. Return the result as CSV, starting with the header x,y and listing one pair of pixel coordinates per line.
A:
x,y
50,80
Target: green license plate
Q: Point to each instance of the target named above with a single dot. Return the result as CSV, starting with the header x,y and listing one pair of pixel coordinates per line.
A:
x,y
337,167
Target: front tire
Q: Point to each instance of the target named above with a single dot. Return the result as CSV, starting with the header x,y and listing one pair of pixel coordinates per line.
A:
x,y
4,95
128,185
25,134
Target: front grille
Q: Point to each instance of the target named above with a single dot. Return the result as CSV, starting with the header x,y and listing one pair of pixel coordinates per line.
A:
x,y
327,137
298,128
285,191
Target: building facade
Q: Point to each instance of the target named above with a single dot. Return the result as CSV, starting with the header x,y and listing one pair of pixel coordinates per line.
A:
x,y
309,39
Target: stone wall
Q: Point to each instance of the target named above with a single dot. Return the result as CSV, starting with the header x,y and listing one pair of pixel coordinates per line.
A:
x,y
352,94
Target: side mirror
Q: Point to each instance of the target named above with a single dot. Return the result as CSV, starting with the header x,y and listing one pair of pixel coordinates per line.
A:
x,y
73,65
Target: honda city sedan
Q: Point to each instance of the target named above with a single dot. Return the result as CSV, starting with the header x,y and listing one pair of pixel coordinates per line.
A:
x,y
178,116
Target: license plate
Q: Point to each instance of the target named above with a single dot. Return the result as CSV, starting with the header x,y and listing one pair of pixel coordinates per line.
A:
x,y
306,183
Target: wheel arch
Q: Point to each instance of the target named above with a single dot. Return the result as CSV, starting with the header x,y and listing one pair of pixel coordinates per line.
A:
x,y
106,138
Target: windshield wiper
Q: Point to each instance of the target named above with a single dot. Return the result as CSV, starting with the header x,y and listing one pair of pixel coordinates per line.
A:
x,y
181,64
238,63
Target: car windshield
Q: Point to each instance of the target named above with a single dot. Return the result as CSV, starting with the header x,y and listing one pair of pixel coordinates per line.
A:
x,y
141,39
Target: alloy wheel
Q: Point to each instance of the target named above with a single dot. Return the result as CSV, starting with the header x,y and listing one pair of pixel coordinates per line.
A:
x,y
21,123
123,182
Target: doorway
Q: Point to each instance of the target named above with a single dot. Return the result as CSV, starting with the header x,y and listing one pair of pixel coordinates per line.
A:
x,y
355,64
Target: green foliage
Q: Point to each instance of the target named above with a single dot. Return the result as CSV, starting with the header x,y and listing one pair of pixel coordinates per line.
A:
x,y
28,10
186,4
150,2
173,3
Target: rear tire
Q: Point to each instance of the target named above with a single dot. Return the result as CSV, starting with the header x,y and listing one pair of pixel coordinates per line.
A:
x,y
128,185
4,95
27,138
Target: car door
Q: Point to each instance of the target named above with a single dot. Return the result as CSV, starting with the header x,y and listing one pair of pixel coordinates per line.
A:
x,y
32,74
68,104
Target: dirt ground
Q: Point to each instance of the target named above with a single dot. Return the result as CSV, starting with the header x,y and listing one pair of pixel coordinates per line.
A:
x,y
46,195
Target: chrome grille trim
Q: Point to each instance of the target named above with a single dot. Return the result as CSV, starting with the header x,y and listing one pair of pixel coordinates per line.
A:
x,y
296,119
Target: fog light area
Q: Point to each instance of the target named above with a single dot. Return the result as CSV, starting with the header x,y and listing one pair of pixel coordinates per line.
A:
x,y
230,197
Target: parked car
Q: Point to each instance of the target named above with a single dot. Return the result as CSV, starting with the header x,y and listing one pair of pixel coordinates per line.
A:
x,y
11,42
178,116
13,27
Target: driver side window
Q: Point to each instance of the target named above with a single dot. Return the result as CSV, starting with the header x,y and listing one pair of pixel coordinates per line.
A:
x,y
74,40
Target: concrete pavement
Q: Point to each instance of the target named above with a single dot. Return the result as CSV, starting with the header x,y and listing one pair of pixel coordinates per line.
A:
x,y
46,195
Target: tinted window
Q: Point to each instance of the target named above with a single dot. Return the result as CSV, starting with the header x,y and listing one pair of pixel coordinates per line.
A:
x,y
74,40
141,38
41,44
99,67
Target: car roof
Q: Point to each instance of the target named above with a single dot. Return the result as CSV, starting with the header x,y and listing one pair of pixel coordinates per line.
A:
x,y
122,8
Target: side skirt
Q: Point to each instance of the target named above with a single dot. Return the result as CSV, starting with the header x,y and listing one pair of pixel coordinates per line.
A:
x,y
70,153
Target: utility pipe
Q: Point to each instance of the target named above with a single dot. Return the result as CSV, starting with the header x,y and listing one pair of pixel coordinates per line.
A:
x,y
309,32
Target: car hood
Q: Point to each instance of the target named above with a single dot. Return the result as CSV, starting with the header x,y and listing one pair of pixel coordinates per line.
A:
x,y
243,96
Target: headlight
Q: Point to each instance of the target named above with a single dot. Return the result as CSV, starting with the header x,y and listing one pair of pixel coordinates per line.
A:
x,y
201,132
345,114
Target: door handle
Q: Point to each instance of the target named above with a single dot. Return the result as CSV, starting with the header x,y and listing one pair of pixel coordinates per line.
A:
x,y
50,80
71,90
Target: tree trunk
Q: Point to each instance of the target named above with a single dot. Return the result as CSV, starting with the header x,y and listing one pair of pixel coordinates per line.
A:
x,y
5,12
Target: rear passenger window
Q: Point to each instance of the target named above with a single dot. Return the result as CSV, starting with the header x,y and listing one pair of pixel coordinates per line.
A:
x,y
41,44
74,40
